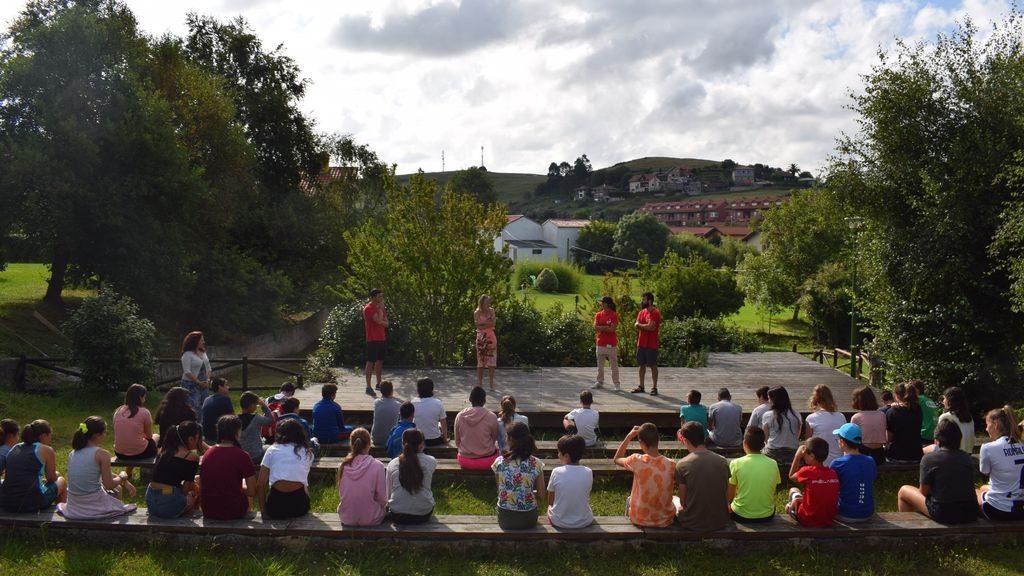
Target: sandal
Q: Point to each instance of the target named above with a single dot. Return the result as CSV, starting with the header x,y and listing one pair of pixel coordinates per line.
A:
x,y
654,391
637,390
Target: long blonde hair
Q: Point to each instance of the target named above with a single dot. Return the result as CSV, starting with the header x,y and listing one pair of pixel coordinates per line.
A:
x,y
1006,420
480,302
821,397
359,442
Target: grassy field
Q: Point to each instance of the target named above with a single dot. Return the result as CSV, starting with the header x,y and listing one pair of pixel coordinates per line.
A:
x,y
21,291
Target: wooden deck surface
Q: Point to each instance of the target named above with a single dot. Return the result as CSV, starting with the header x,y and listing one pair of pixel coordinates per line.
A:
x,y
546,394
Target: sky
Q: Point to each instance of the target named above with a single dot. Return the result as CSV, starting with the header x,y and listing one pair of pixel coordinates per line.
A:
x,y
536,81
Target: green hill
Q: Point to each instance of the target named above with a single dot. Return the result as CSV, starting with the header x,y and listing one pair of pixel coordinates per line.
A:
x,y
511,187
654,163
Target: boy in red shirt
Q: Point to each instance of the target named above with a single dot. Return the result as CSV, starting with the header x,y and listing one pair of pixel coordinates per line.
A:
x,y
816,507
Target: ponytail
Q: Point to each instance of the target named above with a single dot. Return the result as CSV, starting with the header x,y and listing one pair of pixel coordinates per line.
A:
x,y
359,442
508,409
31,432
410,473
907,394
175,437
1005,419
92,426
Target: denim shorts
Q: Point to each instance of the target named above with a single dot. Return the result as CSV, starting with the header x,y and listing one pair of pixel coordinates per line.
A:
x,y
167,503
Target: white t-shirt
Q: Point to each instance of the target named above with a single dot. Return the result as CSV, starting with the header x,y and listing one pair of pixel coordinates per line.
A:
x,y
782,434
502,436
586,424
966,431
429,413
284,464
571,484
822,424
1002,460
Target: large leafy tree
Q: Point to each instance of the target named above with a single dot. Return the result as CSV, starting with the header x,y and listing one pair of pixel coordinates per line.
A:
x,y
596,243
691,287
476,183
638,233
432,252
939,125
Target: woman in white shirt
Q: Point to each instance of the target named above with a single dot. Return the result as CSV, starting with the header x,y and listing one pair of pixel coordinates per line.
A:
x,y
195,370
1002,498
285,468
823,420
958,411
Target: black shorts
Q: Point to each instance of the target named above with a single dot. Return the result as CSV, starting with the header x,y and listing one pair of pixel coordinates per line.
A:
x,y
736,517
287,504
439,441
992,513
146,454
952,512
646,356
375,351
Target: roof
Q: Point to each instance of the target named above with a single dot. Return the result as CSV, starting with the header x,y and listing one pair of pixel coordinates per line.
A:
x,y
530,244
512,218
702,231
568,223
734,231
329,176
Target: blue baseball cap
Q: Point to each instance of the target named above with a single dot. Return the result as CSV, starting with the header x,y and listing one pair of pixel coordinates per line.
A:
x,y
850,432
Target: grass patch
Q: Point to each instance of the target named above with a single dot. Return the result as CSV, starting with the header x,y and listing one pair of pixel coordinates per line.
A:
x,y
22,287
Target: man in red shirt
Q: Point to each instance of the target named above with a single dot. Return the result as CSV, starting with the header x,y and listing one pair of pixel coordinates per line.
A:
x,y
605,323
648,323
375,317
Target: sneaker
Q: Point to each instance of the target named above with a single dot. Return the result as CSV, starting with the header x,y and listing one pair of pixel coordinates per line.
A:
x,y
370,392
597,385
377,387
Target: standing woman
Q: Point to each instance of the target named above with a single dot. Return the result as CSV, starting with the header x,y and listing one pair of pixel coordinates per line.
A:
x,y
903,426
133,427
31,481
195,370
173,490
90,479
362,486
285,468
173,410
781,425
605,323
486,341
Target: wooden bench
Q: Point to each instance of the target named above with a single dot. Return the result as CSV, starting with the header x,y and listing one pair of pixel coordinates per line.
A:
x,y
545,448
459,529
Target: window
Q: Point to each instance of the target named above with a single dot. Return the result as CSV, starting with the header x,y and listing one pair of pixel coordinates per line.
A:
x,y
538,251
712,214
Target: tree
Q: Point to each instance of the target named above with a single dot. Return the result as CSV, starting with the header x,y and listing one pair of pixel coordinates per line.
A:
x,y
110,342
433,260
476,183
927,171
793,170
639,232
691,287
581,170
595,243
728,165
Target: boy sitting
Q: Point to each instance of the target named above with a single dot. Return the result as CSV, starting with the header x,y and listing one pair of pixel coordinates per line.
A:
x,y
650,500
385,414
702,477
290,411
815,507
856,476
752,481
572,482
583,420
692,411
408,413
328,419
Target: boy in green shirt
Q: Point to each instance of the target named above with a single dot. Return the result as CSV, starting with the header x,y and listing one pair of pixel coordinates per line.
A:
x,y
929,413
752,481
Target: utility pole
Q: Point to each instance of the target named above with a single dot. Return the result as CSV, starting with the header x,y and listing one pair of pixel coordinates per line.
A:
x,y
442,161
481,156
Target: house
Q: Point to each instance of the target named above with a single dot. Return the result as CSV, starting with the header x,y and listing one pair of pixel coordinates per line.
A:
x,y
685,213
527,250
517,227
743,176
705,232
645,183
602,193
753,240
680,175
581,193
329,176
742,210
562,234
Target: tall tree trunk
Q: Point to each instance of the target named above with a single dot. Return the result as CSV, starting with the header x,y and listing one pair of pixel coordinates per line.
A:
x,y
58,270
796,312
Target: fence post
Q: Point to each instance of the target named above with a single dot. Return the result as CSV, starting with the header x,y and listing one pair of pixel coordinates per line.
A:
x,y
298,380
835,357
245,373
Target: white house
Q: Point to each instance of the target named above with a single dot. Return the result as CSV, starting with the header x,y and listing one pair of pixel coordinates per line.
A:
x,y
580,193
518,227
526,250
562,234
645,183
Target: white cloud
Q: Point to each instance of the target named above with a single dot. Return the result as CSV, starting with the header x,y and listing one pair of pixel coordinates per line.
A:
x,y
536,81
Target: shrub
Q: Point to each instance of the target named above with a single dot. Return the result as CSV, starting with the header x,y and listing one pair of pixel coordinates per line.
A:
x,y
570,278
687,341
569,338
547,281
520,332
684,288
110,343
343,341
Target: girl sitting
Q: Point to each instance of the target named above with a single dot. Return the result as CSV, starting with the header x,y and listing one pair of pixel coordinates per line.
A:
x,y
174,409
476,433
520,479
173,490
958,412
31,481
903,426
1002,498
285,468
362,487
133,427
89,477
506,416
872,423
781,425
409,477
823,420
946,494
227,478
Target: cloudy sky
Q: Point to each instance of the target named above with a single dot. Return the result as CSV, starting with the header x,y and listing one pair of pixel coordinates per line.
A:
x,y
535,81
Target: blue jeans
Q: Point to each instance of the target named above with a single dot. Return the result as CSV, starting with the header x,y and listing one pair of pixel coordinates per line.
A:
x,y
165,504
196,395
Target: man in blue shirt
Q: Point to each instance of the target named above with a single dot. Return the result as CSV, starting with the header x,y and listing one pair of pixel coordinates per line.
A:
x,y
328,419
407,412
215,406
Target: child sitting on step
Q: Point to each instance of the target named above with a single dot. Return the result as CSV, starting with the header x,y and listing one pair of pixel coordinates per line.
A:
x,y
650,500
816,506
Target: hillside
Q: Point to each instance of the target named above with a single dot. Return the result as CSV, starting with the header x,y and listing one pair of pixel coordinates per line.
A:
x,y
653,163
511,187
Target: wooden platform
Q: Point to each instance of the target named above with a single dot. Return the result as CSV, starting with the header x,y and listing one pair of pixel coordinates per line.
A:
x,y
547,394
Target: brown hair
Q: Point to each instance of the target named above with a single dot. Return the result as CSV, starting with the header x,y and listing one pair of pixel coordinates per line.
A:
x,y
821,397
649,435
520,443
573,446
864,399
586,398
753,437
410,473
191,341
1005,419
93,425
359,441
819,448
693,432
508,409
329,391
133,398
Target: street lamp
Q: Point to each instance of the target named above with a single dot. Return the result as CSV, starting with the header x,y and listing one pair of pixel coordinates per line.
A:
x,y
854,223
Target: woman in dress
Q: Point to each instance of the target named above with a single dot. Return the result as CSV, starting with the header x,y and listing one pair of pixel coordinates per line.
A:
x,y
94,493
486,341
195,370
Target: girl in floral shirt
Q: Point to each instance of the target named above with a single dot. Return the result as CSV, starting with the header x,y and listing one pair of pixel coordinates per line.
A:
x,y
520,479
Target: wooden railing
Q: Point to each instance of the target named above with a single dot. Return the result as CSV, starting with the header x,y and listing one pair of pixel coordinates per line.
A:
x,y
840,359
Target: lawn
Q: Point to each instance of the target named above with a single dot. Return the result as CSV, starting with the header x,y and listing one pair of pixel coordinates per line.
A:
x,y
21,291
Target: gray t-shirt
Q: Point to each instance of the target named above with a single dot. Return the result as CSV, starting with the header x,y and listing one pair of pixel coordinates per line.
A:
x,y
83,472
251,439
385,416
756,414
706,477
783,432
401,500
726,416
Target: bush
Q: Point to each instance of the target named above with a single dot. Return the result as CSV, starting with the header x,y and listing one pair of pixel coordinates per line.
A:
x,y
521,335
569,338
684,288
547,281
343,341
570,278
686,342
110,343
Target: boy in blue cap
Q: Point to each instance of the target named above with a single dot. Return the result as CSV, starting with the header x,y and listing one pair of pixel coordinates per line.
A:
x,y
856,476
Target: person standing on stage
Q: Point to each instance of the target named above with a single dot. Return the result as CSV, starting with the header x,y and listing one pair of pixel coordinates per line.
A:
x,y
648,323
375,317
486,341
605,323
195,370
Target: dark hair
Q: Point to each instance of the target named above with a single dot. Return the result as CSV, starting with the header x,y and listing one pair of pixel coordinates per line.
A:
x,y
573,446
948,435
778,399
586,398
958,403
907,394
191,341
290,405
329,391
649,296
287,387
410,473
424,387
508,409
387,388
887,396
850,443
723,394
228,427
374,292
9,427
649,435
1003,418
693,397
693,432
864,399
174,409
918,385
218,383
290,431
407,410
477,396
359,442
753,437
762,392
610,302
93,425
248,400
818,447
177,436
520,443
133,398
31,432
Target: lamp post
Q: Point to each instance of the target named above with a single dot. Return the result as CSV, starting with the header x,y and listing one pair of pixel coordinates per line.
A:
x,y
854,223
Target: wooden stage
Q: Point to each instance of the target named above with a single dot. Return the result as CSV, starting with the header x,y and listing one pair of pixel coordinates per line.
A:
x,y
546,394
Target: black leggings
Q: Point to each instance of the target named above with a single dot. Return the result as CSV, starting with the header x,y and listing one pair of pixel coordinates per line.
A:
x,y
287,504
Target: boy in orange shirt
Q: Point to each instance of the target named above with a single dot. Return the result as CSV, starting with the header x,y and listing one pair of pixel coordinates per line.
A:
x,y
650,501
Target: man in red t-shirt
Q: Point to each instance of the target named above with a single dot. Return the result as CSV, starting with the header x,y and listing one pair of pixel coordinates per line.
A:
x,y
605,323
648,323
375,317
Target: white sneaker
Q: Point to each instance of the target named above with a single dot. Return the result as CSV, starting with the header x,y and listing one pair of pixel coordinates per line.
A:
x,y
597,385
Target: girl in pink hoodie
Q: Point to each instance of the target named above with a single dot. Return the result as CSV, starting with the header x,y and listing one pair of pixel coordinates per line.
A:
x,y
476,433
362,485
